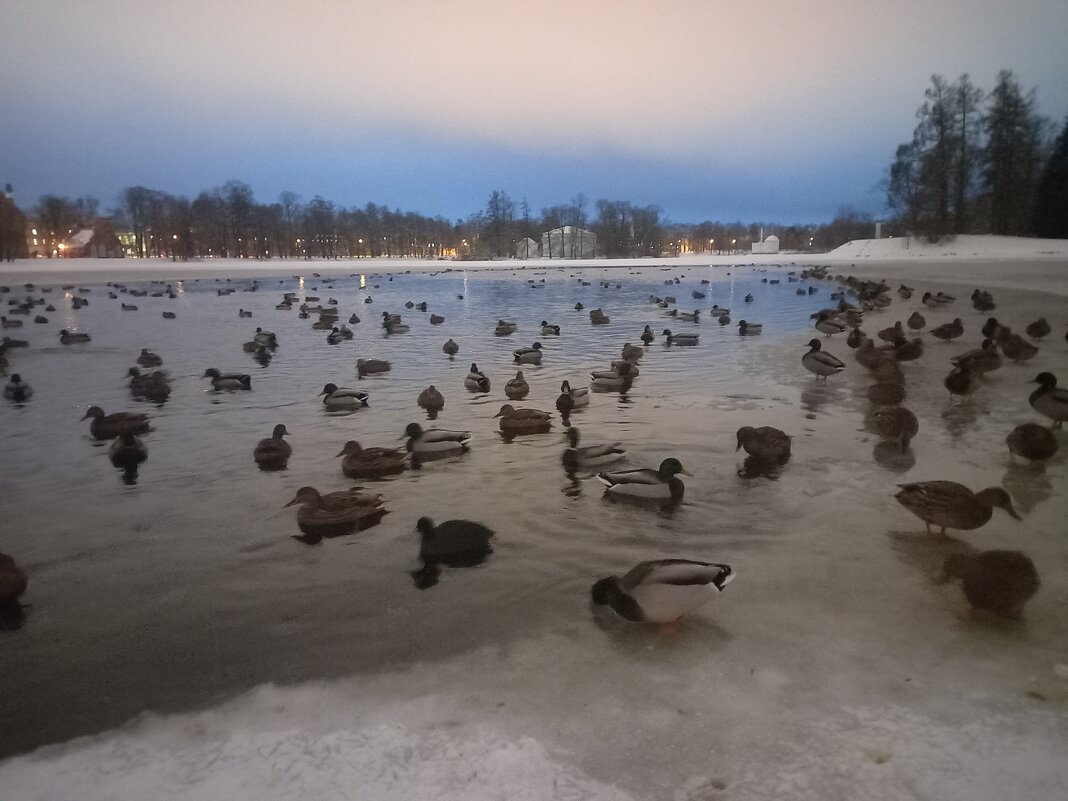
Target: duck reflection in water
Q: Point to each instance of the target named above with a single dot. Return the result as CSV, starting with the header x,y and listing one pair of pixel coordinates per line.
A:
x,y
757,467
127,453
815,396
454,543
1028,484
960,417
889,454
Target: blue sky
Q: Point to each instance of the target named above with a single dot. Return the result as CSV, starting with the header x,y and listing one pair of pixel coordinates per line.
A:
x,y
763,111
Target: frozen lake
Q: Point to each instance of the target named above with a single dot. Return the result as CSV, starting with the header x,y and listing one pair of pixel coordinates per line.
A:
x,y
836,666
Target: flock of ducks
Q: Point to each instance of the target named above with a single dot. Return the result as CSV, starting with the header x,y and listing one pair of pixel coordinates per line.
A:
x,y
659,591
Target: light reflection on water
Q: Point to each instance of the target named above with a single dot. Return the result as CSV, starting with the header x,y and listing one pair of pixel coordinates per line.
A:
x,y
187,586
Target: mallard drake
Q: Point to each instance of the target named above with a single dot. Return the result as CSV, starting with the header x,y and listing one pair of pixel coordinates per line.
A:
x,y
765,443
365,367
1017,348
981,360
1038,329
949,331
114,425
476,380
961,381
435,440
505,328
523,421
995,581
1032,441
273,452
663,590
431,399
1049,400
336,513
580,395
17,390
149,359
13,583
547,329
531,355
893,423
454,543
227,381
371,462
576,458
821,363
154,386
450,348
680,339
68,338
337,398
749,329
517,388
916,321
951,505
645,483
647,336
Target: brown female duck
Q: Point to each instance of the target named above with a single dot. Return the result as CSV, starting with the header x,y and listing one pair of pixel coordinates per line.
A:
x,y
948,504
523,421
336,513
273,452
110,426
371,462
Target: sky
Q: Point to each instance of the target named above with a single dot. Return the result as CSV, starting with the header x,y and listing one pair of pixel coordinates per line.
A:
x,y
760,111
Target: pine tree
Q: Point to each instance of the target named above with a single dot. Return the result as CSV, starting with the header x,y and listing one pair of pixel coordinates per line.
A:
x,y
1051,199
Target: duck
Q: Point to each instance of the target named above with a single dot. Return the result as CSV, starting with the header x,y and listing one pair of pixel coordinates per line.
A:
x,y
660,484
371,462
856,338
431,399
893,423
949,331
916,321
450,348
1038,329
1017,348
336,513
365,367
435,440
149,359
17,390
661,591
821,363
894,333
749,297
907,350
453,543
598,317
936,301
389,320
982,360
680,339
354,319
983,301
334,337
581,395
517,388
631,353
647,336
243,313
13,583
547,329
749,329
505,328
337,398
523,421
765,443
992,329
618,378
531,355
476,380
826,325
688,317
1049,400
227,381
1032,441
273,452
951,505
70,338
6,323
995,581
398,328
265,339
579,307
154,386
716,311
581,458
436,319
115,425
962,380
887,393
905,291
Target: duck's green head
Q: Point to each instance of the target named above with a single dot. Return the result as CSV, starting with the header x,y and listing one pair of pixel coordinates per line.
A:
x,y
601,592
671,467
413,430
329,389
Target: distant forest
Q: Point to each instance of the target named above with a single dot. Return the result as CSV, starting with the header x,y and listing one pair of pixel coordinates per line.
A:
x,y
977,163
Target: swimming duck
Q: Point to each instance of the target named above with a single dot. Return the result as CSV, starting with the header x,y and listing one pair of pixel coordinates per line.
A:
x,y
436,319
995,581
981,360
949,331
905,292
68,338
645,483
961,381
680,339
149,359
371,462
765,443
632,353
6,323
389,320
598,317
334,337
517,388
648,336
273,452
398,328
114,425
16,390
13,583
505,328
336,513
1038,329
365,367
716,311
354,319
243,313
523,421
579,307
1049,400
450,348
663,590
435,440
620,377
749,329
454,543
337,398
916,321
1017,348
826,325
951,505
431,399
227,381
1032,441
154,386
821,363
476,380
893,423
749,297
547,329
531,355
687,317
576,458
265,339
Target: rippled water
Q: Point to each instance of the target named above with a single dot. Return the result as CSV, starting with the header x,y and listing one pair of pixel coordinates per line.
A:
x,y
187,588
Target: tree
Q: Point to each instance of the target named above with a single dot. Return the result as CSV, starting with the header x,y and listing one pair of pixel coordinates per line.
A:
x,y
12,231
1050,218
968,124
57,215
500,219
135,200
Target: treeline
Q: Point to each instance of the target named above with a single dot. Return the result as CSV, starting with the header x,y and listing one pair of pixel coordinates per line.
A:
x,y
981,163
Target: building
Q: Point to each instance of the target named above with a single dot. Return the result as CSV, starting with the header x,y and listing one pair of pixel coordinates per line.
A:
x,y
98,242
569,242
768,245
526,248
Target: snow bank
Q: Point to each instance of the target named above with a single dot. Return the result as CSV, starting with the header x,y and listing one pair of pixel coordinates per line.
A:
x,y
965,246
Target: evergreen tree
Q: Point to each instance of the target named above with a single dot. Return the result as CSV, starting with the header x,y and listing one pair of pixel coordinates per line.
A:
x,y
1051,199
1012,156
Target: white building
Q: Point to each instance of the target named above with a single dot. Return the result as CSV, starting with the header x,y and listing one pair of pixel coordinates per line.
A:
x,y
526,248
768,245
568,242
